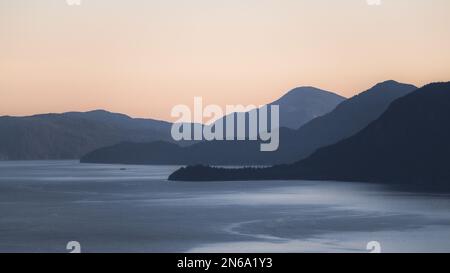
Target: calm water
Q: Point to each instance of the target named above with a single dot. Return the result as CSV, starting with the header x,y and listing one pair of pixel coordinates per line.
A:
x,y
45,204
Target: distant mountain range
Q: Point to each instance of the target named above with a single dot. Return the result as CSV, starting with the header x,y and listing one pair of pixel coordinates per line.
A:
x,y
71,135
348,118
299,106
409,143
74,134
303,104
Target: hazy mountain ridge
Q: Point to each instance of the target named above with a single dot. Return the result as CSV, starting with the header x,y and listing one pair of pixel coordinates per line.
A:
x,y
303,104
299,105
349,117
70,135
409,143
74,134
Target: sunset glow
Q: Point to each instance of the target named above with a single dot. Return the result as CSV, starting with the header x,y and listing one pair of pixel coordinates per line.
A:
x,y
142,57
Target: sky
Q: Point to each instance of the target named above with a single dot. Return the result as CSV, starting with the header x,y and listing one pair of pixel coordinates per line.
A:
x,y
143,57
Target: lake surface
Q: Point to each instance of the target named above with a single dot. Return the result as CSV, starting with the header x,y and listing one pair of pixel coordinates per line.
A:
x,y
115,208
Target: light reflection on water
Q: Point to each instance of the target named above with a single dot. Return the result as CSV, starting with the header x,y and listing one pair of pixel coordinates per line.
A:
x,y
111,208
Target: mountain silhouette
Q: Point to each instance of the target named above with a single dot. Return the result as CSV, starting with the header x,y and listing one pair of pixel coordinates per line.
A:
x,y
70,135
298,106
348,118
409,144
73,134
303,104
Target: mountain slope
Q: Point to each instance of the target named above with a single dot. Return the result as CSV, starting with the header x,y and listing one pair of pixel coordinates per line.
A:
x,y
73,134
409,144
346,119
298,106
70,135
303,104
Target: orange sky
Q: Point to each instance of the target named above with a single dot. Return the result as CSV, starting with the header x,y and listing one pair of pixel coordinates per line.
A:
x,y
142,57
